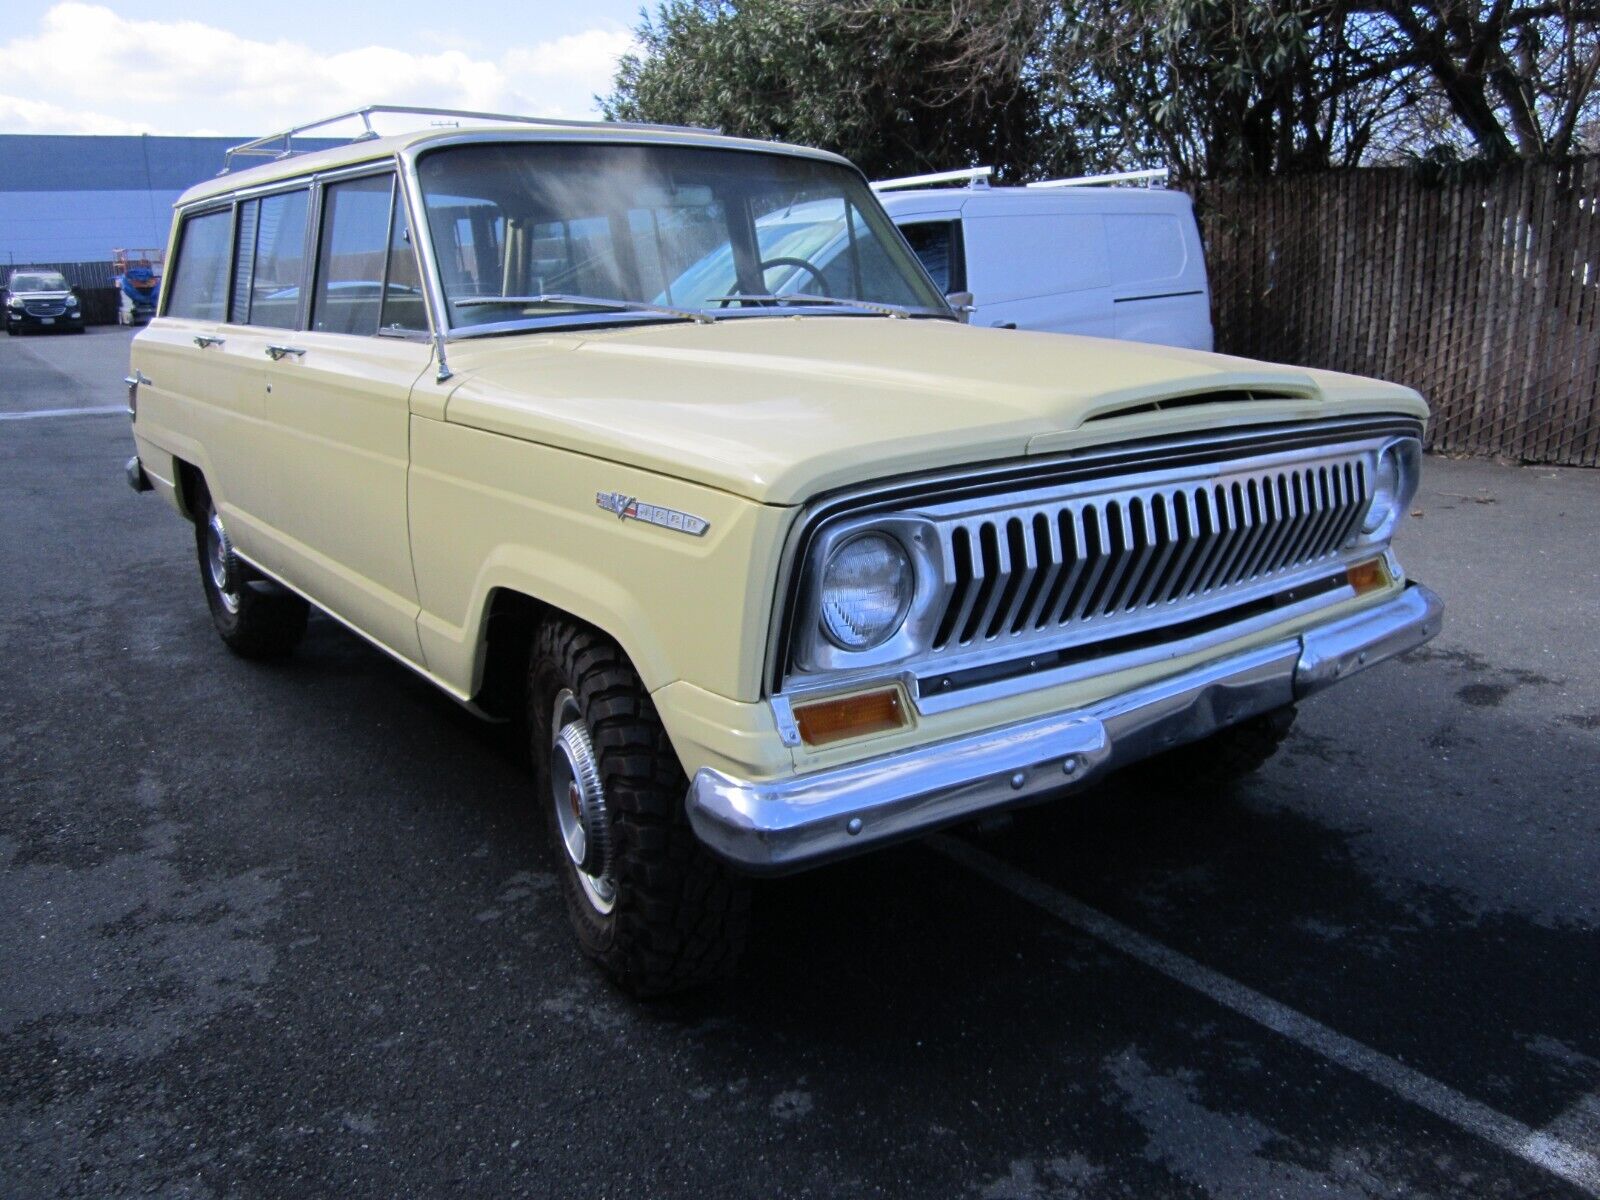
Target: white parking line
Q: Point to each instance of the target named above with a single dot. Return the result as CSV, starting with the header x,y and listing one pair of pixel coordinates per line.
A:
x,y
1547,1149
63,412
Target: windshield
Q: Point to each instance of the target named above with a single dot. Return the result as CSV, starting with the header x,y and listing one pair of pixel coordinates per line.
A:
x,y
43,281
541,231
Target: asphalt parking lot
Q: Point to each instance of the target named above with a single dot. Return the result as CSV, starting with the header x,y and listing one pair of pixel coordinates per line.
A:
x,y
293,930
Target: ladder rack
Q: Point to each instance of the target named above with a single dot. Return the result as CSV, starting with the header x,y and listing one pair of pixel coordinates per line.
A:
x,y
971,176
1157,177
280,145
978,177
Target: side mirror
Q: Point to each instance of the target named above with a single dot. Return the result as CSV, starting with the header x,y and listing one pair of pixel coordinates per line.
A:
x,y
962,303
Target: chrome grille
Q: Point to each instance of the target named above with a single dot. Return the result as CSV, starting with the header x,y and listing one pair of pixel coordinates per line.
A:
x,y
44,308
1085,564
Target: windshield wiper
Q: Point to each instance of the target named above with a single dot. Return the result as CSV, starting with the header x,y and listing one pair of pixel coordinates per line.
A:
x,y
686,314
891,310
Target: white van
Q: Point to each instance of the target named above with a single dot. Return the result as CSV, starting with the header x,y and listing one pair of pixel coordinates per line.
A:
x,y
1105,261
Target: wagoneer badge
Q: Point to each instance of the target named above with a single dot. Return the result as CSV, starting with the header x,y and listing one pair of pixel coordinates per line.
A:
x,y
627,507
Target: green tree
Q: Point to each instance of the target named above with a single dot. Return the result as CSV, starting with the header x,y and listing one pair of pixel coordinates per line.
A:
x,y
1210,87
898,86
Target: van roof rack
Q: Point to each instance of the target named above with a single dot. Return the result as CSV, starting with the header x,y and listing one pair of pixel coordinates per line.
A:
x,y
280,145
1156,177
973,177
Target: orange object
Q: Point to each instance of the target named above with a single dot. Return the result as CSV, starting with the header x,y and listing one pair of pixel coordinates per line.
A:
x,y
1367,576
850,716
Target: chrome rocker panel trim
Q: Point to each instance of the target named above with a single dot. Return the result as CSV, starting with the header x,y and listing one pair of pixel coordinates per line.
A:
x,y
804,820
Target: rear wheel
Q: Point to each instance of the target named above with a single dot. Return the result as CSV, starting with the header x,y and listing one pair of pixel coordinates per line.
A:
x,y
255,617
647,902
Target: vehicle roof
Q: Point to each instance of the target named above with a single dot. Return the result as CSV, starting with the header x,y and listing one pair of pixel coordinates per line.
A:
x,y
1019,200
379,149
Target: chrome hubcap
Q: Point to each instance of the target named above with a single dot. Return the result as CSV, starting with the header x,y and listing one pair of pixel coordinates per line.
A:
x,y
222,563
580,803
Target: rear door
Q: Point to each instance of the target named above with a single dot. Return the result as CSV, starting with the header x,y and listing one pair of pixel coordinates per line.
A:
x,y
203,399
338,383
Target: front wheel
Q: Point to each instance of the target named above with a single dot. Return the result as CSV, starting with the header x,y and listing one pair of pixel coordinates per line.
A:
x,y
256,618
647,901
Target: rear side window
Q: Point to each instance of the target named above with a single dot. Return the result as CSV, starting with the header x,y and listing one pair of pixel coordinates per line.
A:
x,y
352,255
937,244
271,260
198,288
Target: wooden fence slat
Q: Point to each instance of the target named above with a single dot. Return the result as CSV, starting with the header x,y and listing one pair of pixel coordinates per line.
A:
x,y
1484,293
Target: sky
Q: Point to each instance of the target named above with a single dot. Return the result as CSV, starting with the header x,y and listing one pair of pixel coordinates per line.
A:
x,y
227,67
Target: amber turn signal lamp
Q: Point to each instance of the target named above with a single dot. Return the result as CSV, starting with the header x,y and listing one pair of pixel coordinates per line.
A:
x,y
850,716
1367,576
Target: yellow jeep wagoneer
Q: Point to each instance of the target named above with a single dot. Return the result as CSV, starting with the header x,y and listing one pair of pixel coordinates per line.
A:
x,y
663,445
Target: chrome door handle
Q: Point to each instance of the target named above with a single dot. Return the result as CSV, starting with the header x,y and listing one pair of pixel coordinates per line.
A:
x,y
205,339
276,353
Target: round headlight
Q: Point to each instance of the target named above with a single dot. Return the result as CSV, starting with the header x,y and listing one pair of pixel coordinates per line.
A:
x,y
866,590
1388,484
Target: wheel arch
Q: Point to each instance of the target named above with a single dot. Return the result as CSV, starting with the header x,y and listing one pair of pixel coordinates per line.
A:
x,y
511,615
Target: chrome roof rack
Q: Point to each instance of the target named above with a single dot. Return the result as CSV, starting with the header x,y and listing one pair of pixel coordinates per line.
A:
x,y
280,145
973,177
1156,177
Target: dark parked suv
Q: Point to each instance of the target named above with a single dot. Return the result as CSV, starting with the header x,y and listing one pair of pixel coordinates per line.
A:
x,y
38,299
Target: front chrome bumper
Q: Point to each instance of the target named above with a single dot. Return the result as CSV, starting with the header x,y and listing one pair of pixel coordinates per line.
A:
x,y
803,820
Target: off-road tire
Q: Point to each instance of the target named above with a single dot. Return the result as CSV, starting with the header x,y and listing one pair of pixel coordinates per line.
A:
x,y
1215,763
269,620
679,918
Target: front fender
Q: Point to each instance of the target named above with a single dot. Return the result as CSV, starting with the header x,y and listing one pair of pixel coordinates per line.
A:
x,y
491,512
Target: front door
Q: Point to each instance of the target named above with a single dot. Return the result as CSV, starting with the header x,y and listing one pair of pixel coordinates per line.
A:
x,y
337,416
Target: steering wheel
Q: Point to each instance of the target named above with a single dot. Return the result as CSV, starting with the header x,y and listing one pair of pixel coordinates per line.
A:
x,y
785,261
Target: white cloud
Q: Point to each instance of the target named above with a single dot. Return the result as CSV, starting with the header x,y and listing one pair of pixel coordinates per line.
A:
x,y
194,77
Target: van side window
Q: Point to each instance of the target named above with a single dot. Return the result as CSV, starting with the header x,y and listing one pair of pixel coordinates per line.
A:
x,y
271,260
938,245
403,306
199,286
351,255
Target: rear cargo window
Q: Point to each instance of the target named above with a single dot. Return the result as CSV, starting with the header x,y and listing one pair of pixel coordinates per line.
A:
x,y
199,284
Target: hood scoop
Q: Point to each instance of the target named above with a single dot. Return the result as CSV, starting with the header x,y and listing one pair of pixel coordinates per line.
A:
x,y
1194,400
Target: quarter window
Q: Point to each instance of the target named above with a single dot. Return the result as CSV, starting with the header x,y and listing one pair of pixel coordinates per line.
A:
x,y
199,286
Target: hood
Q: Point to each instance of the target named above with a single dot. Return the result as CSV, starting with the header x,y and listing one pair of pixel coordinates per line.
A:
x,y
781,409
53,294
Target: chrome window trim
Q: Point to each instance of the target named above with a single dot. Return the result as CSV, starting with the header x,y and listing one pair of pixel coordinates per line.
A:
x,y
444,331
389,163
910,495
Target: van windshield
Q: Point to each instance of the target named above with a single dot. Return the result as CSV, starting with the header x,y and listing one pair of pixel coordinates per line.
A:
x,y
548,231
